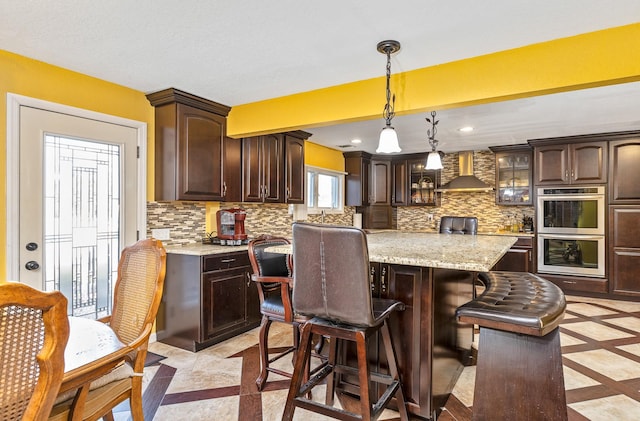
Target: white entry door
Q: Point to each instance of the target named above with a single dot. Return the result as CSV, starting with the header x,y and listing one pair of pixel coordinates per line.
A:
x,y
78,205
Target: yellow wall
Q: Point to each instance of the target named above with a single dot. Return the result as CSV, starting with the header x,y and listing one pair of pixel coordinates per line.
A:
x,y
24,76
594,59
321,156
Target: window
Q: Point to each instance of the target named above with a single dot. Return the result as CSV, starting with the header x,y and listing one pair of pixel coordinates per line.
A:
x,y
325,190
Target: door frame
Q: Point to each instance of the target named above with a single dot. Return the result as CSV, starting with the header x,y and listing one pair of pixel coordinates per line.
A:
x,y
14,102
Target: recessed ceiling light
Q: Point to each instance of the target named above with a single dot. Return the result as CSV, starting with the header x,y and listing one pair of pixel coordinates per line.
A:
x,y
466,129
356,141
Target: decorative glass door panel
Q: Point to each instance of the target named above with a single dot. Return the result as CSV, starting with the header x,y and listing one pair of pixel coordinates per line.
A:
x,y
82,222
513,178
423,183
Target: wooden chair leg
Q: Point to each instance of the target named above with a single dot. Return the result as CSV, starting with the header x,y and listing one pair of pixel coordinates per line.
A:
x,y
331,381
302,358
364,376
264,352
393,369
135,401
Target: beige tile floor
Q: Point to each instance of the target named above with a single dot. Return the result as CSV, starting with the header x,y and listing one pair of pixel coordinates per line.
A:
x,y
600,343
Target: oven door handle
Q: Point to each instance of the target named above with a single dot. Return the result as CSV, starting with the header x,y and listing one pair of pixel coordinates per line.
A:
x,y
571,196
571,236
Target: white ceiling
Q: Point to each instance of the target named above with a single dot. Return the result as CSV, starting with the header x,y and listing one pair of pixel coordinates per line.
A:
x,y
241,51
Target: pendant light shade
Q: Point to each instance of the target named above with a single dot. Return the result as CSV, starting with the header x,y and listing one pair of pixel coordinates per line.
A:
x,y
433,161
388,141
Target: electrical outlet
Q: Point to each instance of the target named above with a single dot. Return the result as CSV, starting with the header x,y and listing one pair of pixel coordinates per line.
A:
x,y
161,233
429,217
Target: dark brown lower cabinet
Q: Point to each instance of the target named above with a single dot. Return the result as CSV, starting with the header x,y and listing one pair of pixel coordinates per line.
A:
x,y
624,250
431,346
207,299
519,258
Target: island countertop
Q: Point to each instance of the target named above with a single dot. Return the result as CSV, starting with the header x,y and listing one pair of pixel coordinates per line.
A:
x,y
476,253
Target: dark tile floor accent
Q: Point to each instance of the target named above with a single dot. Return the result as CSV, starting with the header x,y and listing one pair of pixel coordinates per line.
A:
x,y
600,346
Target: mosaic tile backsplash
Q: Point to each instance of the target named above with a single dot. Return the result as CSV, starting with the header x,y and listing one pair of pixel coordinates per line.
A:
x,y
187,220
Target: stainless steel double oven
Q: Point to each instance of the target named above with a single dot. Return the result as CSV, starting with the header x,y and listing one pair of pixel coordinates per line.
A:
x,y
571,228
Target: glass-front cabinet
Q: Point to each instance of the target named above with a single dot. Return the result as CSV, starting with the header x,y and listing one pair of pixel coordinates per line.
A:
x,y
513,175
423,183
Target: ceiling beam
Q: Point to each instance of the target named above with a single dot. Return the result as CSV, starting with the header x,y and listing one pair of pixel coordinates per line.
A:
x,y
588,60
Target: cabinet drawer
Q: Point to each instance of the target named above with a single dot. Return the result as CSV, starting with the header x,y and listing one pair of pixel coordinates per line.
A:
x,y
524,242
578,284
225,261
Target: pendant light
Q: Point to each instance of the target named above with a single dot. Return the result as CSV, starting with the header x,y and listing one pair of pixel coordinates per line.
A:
x,y
388,137
433,160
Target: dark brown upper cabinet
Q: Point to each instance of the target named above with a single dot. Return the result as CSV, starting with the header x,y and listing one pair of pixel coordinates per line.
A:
x,y
294,188
513,174
273,168
400,183
380,182
263,168
624,170
190,141
570,160
358,168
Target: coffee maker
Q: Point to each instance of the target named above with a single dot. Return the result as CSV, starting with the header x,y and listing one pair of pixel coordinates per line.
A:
x,y
231,226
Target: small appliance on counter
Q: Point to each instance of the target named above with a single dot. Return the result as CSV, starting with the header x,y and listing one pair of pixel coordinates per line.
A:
x,y
231,227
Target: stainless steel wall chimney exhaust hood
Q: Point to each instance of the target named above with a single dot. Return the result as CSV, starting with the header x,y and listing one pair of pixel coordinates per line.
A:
x,y
466,182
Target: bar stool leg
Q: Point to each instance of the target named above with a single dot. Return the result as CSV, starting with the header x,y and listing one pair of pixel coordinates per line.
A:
x,y
393,369
264,352
519,377
302,358
364,376
331,381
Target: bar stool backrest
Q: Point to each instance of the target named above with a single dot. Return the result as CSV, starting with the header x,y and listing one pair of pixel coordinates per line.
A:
x,y
331,273
459,225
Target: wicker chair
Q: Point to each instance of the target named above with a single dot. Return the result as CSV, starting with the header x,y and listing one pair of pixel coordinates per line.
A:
x,y
34,330
137,295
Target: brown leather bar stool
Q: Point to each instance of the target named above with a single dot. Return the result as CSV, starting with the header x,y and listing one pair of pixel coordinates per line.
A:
x,y
331,271
459,225
272,274
519,375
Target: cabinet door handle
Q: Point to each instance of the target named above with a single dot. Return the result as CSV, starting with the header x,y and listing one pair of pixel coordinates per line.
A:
x,y
286,194
224,189
383,280
566,174
572,175
227,260
266,191
372,275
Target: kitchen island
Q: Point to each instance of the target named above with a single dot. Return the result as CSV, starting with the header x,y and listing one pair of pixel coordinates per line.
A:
x,y
432,274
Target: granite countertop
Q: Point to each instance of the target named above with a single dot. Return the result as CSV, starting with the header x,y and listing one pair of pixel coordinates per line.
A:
x,y
198,249
448,251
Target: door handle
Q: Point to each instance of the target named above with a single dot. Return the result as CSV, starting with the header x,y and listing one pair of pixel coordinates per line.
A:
x,y
32,265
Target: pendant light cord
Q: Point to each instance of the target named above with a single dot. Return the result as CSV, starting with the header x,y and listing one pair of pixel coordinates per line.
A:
x,y
389,107
431,133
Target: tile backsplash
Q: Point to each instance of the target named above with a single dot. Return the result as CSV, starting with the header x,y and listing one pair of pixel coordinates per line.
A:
x,y
187,220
